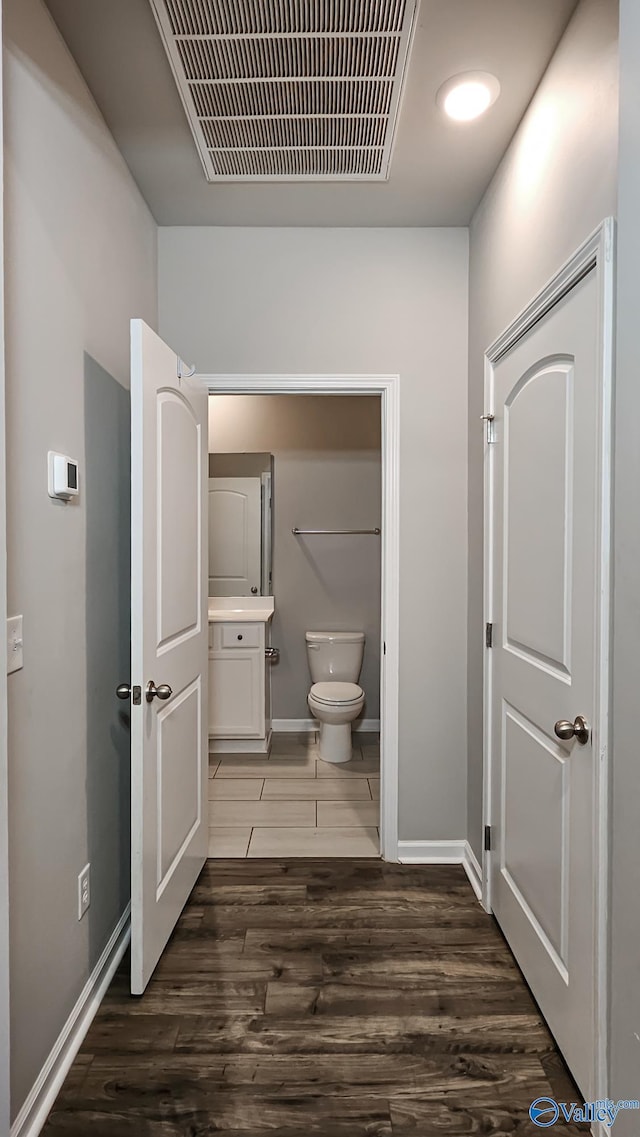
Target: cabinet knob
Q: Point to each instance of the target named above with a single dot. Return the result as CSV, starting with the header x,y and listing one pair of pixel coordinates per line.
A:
x,y
240,637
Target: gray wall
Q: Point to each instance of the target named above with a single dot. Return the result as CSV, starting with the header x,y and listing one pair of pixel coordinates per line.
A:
x,y
553,187
4,804
80,261
326,475
351,301
625,865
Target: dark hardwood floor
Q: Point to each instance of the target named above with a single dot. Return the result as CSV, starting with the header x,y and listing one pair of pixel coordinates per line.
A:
x,y
323,998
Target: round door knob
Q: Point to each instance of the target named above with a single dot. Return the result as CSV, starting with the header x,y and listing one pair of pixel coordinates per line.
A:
x,y
123,691
162,692
578,729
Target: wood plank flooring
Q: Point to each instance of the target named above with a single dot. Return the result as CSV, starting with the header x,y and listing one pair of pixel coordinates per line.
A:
x,y
320,998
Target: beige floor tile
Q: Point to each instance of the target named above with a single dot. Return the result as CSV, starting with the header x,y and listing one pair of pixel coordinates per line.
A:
x,y
371,751
295,736
366,737
213,766
358,768
298,744
263,813
235,789
335,842
374,786
224,842
318,789
350,813
276,766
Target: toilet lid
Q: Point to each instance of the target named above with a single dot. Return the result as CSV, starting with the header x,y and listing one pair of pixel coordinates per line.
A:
x,y
333,693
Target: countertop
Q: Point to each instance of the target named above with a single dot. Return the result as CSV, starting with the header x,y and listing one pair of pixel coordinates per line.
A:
x,y
240,609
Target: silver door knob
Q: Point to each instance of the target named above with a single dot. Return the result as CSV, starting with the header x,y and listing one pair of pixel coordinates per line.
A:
x,y
123,691
578,729
162,692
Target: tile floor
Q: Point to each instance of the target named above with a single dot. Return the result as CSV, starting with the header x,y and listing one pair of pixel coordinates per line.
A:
x,y
292,804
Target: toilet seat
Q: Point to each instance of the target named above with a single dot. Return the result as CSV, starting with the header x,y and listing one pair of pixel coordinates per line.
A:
x,y
336,694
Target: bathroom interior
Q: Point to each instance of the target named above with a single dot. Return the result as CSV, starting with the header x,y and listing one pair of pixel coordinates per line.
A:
x,y
294,625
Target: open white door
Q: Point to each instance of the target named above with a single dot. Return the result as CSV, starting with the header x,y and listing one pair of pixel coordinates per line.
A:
x,y
169,749
235,536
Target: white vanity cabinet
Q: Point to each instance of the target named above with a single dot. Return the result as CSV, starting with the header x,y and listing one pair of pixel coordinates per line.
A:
x,y
239,685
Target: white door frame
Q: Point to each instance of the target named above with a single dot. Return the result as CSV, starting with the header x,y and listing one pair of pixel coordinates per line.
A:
x,y
596,254
388,387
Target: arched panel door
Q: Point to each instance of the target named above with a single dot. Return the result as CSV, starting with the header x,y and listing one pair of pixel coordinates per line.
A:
x,y
235,519
547,401
169,746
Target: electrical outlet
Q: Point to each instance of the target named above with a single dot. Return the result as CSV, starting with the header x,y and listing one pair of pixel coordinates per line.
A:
x,y
14,644
84,891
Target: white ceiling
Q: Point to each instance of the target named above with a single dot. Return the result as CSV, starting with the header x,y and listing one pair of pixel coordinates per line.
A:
x,y
439,169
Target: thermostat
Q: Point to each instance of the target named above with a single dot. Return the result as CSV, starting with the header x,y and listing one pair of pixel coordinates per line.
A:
x,y
63,476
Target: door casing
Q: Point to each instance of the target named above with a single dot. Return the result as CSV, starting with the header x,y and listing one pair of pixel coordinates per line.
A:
x,y
388,388
597,254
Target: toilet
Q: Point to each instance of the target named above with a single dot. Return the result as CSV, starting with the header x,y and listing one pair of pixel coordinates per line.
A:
x,y
335,699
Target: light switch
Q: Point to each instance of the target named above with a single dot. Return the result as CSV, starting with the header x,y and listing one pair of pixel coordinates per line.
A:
x,y
14,644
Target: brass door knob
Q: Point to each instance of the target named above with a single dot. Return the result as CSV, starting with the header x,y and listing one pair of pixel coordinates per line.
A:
x,y
578,729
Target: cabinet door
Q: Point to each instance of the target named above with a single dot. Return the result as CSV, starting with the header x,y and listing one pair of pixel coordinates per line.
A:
x,y
236,694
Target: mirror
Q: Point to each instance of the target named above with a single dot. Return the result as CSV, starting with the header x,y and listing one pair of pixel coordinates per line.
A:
x,y
240,524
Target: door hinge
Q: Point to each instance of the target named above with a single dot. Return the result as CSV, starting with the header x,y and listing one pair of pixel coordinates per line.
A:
x,y
488,635
487,838
489,420
136,696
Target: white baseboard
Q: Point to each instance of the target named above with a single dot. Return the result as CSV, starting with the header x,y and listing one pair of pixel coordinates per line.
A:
x,y
473,869
255,746
302,726
39,1103
443,853
431,852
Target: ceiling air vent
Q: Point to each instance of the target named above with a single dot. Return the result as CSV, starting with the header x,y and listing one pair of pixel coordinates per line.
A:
x,y
292,90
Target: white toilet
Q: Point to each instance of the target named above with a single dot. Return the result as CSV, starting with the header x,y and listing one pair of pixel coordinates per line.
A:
x,y
335,699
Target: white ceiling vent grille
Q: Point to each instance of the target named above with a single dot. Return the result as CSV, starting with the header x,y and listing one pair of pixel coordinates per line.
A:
x,y
290,89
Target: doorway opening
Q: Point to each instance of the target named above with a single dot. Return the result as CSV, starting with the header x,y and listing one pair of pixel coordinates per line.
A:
x,y
294,500
319,557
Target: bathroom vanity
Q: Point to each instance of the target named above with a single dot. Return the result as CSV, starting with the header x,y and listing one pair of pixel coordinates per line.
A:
x,y
240,657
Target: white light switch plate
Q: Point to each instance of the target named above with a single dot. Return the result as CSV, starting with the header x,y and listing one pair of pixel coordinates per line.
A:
x,y
14,644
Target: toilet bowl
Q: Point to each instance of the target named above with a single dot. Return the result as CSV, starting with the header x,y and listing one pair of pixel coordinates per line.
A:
x,y
335,699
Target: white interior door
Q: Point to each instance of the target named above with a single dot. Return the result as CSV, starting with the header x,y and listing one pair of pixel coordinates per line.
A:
x,y
546,397
235,524
169,645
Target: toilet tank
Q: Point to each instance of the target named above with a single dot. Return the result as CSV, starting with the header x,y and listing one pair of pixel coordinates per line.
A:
x,y
335,656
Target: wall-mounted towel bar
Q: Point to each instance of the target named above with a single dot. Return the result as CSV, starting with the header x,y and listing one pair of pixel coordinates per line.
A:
x,y
303,532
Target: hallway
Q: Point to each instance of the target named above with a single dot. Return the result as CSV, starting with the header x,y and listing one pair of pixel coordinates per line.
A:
x,y
335,998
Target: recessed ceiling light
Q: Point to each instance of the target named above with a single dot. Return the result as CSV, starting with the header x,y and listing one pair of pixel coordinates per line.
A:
x,y
467,96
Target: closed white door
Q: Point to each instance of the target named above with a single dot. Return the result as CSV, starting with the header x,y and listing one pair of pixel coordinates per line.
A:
x,y
546,399
169,645
235,536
